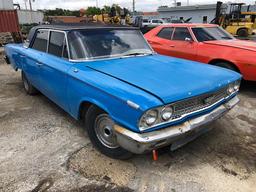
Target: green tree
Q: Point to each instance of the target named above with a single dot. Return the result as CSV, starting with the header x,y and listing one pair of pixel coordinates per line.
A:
x,y
93,11
106,9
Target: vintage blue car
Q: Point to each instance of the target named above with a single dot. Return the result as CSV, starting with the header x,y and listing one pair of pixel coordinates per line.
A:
x,y
131,99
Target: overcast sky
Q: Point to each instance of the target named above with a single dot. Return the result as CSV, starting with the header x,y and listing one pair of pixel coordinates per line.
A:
x,y
141,5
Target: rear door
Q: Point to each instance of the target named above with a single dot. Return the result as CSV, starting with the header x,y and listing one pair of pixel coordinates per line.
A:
x,y
183,45
54,67
31,64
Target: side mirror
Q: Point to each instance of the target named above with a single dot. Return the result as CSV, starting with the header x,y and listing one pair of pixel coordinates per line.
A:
x,y
188,40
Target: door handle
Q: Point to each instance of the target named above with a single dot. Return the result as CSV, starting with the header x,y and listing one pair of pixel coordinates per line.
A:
x,y
39,64
171,45
22,56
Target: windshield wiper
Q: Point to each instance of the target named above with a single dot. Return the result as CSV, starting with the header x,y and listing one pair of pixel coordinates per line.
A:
x,y
135,54
226,38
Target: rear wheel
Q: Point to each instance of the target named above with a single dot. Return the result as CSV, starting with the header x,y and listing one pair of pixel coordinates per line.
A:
x,y
29,88
100,128
243,32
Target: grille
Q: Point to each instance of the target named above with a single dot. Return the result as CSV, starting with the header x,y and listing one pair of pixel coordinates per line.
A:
x,y
197,103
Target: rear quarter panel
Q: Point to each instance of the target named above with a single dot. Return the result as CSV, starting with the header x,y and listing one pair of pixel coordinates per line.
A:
x,y
14,52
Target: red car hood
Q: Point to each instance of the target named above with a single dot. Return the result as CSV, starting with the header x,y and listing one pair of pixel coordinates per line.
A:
x,y
248,45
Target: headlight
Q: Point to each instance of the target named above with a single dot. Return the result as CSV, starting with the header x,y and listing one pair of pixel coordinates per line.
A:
x,y
237,85
231,88
166,113
150,117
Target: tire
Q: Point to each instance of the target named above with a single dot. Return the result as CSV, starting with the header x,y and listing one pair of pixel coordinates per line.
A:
x,y
29,88
242,33
227,66
99,127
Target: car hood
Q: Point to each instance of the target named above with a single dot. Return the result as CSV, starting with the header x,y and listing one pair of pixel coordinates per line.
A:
x,y
167,78
248,45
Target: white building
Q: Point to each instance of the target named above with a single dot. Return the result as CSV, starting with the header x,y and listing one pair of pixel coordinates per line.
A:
x,y
198,13
6,4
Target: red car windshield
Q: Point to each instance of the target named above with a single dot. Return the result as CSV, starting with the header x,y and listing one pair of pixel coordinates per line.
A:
x,y
211,34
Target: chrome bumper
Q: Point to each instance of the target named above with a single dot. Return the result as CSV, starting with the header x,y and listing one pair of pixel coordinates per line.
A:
x,y
144,142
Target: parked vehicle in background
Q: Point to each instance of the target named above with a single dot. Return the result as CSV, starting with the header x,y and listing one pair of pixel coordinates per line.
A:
x,y
206,43
131,99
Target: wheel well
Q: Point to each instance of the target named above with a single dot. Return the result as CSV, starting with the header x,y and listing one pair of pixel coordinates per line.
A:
x,y
215,61
241,29
84,106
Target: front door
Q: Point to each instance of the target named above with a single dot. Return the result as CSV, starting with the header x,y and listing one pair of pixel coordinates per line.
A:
x,y
54,67
182,44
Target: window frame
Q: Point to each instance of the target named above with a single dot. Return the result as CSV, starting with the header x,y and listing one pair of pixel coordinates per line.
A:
x,y
34,39
48,42
64,40
173,29
188,28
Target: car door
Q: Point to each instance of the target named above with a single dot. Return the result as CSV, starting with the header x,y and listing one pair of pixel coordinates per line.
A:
x,y
183,45
54,67
162,41
31,56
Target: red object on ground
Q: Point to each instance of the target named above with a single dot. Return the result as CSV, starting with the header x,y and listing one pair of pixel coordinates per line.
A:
x,y
234,54
9,21
155,155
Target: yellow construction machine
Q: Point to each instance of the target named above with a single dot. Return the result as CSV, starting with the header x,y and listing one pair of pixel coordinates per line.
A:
x,y
236,22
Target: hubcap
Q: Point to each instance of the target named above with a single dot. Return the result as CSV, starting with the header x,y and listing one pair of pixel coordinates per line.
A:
x,y
104,131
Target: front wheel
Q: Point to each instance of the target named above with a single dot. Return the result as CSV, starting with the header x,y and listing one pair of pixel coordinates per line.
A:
x,y
100,130
227,66
243,33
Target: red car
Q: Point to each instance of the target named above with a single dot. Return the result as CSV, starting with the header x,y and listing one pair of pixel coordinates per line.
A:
x,y
205,43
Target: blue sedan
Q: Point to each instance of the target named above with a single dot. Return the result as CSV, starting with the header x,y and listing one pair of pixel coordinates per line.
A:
x,y
130,99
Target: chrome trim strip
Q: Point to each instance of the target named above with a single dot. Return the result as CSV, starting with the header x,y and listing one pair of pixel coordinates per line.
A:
x,y
187,114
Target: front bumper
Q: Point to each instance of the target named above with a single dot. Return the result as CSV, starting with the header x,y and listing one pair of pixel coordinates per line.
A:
x,y
139,143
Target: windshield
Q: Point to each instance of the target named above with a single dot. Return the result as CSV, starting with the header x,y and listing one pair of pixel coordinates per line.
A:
x,y
211,34
104,43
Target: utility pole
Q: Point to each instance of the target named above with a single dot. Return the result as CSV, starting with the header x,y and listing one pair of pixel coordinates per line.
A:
x,y
133,6
30,5
187,2
25,1
97,4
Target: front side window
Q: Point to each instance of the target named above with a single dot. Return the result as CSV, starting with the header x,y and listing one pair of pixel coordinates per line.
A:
x,y
181,33
56,43
41,40
211,34
166,33
104,43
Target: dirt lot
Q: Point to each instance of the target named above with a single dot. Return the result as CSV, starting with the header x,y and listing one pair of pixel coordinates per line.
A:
x,y
43,149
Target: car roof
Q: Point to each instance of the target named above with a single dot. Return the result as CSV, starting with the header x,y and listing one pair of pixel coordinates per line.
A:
x,y
77,26
189,25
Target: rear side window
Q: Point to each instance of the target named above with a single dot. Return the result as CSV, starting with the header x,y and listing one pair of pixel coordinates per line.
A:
x,y
181,33
166,33
57,44
40,42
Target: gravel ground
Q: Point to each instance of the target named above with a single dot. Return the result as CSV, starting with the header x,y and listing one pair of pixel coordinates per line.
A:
x,y
43,149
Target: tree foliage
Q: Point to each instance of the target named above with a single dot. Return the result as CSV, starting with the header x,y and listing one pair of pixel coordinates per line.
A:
x,y
93,11
61,12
